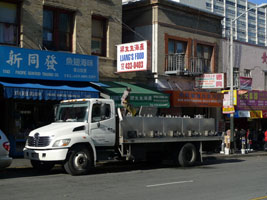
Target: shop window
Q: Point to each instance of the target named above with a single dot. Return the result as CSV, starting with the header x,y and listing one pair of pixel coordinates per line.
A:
x,y
98,43
204,56
57,29
8,23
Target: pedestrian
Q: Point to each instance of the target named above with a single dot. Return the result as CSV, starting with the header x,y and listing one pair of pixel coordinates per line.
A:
x,y
243,139
249,140
237,140
265,140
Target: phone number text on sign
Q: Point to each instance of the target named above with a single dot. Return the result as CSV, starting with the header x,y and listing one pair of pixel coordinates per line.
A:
x,y
132,57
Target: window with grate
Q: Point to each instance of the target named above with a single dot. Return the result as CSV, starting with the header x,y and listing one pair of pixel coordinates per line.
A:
x,y
99,36
57,29
9,23
178,47
204,52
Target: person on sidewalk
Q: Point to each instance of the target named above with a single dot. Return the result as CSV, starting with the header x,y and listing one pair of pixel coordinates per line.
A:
x,y
265,140
249,140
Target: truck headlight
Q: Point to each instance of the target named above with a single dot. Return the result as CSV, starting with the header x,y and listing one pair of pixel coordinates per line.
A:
x,y
61,143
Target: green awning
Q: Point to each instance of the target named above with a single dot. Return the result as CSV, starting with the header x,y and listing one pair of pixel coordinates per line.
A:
x,y
139,96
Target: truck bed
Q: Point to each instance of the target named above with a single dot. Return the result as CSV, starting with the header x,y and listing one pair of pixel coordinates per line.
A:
x,y
162,129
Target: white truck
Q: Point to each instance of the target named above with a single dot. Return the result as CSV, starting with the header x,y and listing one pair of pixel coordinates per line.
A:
x,y
89,130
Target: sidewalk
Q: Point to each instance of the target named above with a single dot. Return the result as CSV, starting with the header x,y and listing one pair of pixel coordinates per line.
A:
x,y
24,163
237,154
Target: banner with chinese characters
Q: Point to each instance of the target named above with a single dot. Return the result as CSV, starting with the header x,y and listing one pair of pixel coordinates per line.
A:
x,y
210,81
196,99
48,65
133,56
255,114
252,100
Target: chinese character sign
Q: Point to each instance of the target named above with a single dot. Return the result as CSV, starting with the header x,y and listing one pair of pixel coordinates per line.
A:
x,y
210,81
132,57
48,65
252,100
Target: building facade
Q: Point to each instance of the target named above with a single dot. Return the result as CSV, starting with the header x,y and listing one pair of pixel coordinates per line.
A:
x,y
83,27
250,28
51,50
250,82
185,44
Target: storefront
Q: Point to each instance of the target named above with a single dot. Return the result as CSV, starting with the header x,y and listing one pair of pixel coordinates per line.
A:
x,y
251,110
139,96
32,82
191,103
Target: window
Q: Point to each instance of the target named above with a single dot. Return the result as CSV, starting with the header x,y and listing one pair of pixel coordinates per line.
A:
x,y
8,23
101,112
176,47
236,77
230,3
57,29
247,72
241,6
98,45
204,55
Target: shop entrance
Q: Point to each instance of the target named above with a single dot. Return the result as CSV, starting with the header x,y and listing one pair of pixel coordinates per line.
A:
x,y
19,117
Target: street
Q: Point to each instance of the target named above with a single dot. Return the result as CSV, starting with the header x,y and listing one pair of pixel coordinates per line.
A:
x,y
229,179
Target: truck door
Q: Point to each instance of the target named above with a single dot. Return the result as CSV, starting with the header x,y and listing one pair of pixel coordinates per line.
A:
x,y
102,127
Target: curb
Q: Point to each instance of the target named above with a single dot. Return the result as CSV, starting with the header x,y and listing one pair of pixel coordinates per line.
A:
x,y
237,155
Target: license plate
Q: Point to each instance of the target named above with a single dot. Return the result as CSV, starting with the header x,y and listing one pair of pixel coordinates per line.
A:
x,y
34,155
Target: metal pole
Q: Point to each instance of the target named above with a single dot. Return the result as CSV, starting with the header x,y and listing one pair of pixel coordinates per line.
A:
x,y
231,82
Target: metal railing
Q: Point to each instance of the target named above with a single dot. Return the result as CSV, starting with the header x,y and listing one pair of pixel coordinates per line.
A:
x,y
181,64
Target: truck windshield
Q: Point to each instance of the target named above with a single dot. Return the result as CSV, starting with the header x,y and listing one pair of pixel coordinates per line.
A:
x,y
72,112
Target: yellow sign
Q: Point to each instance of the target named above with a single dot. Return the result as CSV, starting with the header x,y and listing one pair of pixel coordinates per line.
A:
x,y
228,109
255,114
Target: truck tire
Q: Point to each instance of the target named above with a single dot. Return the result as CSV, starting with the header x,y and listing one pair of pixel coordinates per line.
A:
x,y
79,161
42,165
187,155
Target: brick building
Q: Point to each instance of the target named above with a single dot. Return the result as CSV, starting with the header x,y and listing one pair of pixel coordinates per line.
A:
x,y
51,50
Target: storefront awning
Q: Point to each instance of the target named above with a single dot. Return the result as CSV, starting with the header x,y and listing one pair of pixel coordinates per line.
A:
x,y
139,96
32,91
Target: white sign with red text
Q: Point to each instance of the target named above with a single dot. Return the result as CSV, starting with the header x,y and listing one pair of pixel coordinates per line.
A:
x,y
210,81
132,56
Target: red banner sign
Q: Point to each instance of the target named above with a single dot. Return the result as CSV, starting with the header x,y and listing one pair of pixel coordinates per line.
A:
x,y
196,99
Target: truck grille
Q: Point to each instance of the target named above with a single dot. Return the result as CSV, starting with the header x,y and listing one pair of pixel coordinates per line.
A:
x,y
38,141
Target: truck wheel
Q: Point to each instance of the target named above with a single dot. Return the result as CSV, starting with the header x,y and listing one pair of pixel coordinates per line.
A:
x,y
79,161
42,165
187,155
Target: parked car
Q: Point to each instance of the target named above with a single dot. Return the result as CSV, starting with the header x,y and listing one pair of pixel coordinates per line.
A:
x,y
5,160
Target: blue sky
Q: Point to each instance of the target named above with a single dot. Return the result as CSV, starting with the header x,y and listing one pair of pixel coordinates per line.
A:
x,y
258,1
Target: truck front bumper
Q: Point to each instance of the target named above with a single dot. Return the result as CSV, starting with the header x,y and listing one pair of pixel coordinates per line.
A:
x,y
45,155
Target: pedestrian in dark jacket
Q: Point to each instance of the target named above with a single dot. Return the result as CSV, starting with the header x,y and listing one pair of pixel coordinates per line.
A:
x,y
265,140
